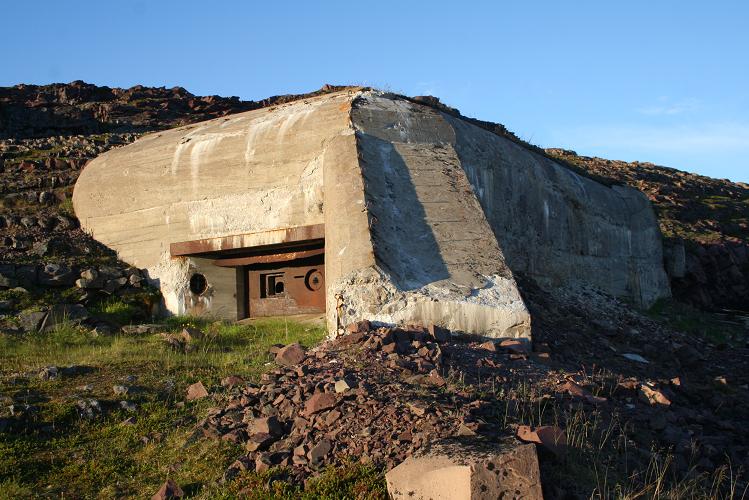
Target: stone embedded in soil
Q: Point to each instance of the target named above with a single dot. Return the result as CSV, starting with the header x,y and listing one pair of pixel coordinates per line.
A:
x,y
652,396
231,381
550,437
196,391
291,355
516,346
120,390
635,357
169,489
402,402
260,441
190,334
489,345
48,373
128,406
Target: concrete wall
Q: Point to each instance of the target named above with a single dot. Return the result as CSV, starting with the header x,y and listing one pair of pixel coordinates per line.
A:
x,y
559,227
249,172
438,258
425,216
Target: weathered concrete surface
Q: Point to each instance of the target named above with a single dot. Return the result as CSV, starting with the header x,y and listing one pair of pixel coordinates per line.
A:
x,y
425,216
247,173
438,260
452,470
559,227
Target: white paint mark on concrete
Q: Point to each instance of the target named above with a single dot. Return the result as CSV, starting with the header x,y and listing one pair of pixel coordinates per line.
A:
x,y
183,145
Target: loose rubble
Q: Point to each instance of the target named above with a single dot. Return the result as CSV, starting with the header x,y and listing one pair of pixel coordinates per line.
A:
x,y
330,407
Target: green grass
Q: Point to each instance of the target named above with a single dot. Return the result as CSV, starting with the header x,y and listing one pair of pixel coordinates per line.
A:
x,y
54,452
351,481
66,206
687,319
117,310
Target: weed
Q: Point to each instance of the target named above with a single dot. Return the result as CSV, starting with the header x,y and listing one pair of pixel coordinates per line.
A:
x,y
55,450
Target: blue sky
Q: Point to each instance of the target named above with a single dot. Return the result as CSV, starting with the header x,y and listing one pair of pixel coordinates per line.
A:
x,y
659,81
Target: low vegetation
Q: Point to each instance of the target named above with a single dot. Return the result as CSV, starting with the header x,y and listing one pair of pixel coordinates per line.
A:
x,y
57,442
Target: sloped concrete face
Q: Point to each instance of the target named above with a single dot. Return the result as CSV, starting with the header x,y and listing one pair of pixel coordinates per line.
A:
x,y
437,258
425,216
559,227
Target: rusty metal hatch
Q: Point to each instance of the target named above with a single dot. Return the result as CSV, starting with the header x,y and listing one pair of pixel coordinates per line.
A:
x,y
296,288
278,271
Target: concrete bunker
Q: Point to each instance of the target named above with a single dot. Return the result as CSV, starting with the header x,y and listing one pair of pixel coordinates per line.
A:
x,y
363,205
285,278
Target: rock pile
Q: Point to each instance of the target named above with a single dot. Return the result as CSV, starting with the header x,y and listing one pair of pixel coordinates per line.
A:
x,y
82,108
705,222
372,395
385,394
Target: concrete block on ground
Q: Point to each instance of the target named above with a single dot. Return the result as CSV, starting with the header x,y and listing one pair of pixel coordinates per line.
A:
x,y
468,469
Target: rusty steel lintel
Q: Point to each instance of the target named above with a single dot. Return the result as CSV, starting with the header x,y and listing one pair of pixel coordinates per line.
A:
x,y
267,259
248,240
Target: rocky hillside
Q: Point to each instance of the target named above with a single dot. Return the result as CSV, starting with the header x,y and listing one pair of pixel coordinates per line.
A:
x,y
704,221
617,385
48,133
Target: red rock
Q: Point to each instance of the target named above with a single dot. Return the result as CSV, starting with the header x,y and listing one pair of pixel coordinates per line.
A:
x,y
196,391
332,417
291,355
389,348
360,327
263,462
318,452
231,381
319,402
417,408
576,390
275,348
266,425
235,437
464,430
489,345
436,379
169,489
526,434
628,384
652,396
515,346
438,333
260,441
551,437
401,336
342,386
190,334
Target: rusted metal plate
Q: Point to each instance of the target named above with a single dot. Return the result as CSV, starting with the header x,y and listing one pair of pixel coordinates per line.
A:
x,y
287,290
269,258
260,239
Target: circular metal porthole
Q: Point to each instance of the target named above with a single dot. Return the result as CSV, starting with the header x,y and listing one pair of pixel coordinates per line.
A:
x,y
198,284
313,280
